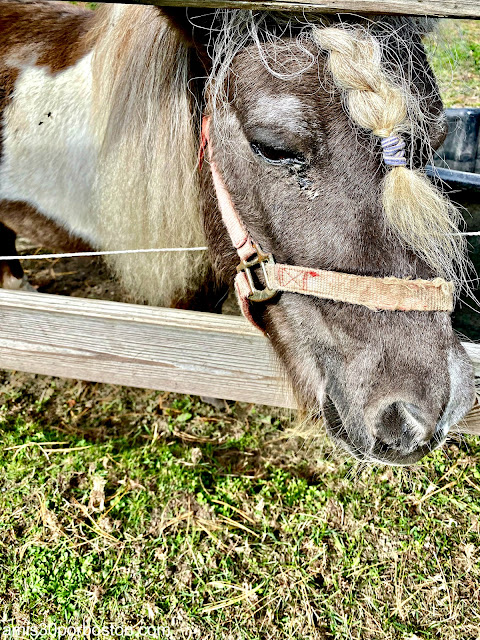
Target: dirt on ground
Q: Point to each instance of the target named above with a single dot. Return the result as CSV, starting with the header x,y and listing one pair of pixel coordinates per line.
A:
x,y
82,277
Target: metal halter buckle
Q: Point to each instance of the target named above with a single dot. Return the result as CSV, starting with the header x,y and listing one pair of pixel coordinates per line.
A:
x,y
258,295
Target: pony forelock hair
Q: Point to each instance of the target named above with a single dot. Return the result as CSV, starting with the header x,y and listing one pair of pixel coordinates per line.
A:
x,y
147,191
237,29
422,217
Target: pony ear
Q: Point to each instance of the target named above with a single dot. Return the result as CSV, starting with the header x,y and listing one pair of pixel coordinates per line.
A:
x,y
196,27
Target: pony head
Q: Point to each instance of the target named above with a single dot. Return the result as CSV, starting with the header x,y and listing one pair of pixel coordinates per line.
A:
x,y
299,108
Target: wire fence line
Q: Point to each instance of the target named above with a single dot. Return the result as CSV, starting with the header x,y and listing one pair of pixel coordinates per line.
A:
x,y
86,254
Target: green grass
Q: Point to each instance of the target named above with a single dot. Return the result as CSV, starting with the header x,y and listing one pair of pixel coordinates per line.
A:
x,y
455,56
133,507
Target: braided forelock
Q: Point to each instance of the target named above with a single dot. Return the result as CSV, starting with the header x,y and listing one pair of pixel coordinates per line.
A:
x,y
422,217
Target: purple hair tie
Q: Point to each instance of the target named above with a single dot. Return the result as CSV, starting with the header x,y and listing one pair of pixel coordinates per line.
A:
x,y
394,151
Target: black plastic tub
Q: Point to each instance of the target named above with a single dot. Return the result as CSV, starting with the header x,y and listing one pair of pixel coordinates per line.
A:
x,y
457,162
457,165
461,150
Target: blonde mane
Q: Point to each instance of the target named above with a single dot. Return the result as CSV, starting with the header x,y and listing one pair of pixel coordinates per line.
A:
x,y
147,191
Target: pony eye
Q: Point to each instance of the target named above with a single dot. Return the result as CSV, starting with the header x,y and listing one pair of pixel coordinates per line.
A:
x,y
277,155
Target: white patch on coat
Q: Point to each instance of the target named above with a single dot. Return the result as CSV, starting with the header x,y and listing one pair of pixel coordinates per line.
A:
x,y
284,109
49,149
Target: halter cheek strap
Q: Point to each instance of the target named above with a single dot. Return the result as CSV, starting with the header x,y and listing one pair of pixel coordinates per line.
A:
x,y
377,294
236,229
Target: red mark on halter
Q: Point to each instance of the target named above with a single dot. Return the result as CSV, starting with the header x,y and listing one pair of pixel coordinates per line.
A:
x,y
288,276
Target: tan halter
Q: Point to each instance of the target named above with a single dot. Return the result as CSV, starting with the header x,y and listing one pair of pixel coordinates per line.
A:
x,y
377,294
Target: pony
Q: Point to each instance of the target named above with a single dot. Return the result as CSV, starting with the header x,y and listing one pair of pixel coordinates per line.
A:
x,y
102,147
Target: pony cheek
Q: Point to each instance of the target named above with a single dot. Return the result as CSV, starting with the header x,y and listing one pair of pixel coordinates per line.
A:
x,y
301,346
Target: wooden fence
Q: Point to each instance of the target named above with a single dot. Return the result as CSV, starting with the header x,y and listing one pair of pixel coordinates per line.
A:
x,y
172,350
440,8
167,349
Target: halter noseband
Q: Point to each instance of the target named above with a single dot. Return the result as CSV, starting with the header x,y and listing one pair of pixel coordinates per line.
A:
x,y
377,294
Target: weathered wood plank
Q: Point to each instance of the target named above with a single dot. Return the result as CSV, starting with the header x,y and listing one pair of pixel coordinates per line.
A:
x,y
133,345
171,350
441,8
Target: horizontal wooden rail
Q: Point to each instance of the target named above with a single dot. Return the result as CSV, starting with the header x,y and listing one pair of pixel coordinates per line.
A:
x,y
139,346
133,345
441,8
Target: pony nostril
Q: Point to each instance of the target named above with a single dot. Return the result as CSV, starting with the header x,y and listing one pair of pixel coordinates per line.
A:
x,y
412,411
404,427
421,423
389,426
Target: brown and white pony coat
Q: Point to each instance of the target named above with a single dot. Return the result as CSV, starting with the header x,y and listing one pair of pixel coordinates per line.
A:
x,y
100,116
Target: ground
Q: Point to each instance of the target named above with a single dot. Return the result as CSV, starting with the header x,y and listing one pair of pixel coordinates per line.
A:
x,y
142,508
135,507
